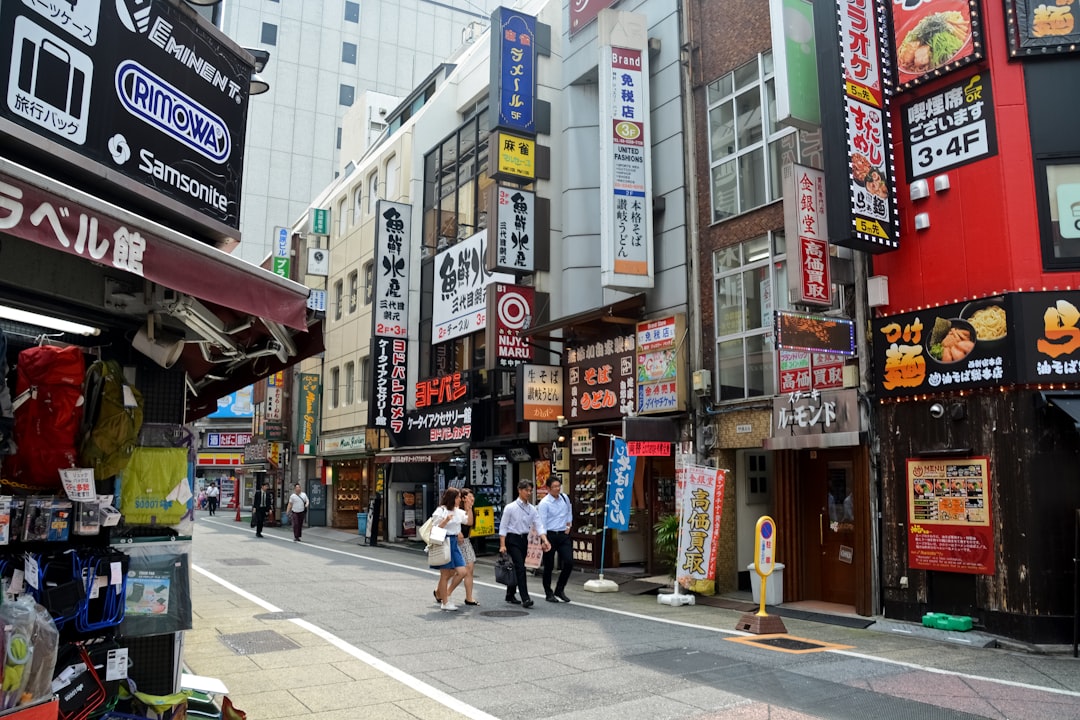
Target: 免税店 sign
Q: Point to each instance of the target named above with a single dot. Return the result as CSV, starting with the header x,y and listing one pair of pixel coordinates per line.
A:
x,y
660,385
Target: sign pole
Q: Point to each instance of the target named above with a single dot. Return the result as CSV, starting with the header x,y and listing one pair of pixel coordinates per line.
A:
x,y
761,622
600,584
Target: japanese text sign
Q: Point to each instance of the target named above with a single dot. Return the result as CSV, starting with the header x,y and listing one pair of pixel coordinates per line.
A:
x,y
931,37
700,508
952,127
481,467
390,365
540,392
660,384
308,428
643,448
807,235
513,71
226,439
514,248
600,379
79,484
512,308
1042,26
390,298
515,157
461,284
804,418
441,390
620,486
949,526
1049,325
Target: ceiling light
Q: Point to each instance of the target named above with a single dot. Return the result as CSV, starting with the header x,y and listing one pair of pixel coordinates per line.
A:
x,y
46,321
162,347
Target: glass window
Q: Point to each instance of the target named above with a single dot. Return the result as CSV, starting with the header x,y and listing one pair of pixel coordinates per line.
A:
x,y
346,94
339,291
350,383
348,53
373,190
1057,191
358,201
756,467
354,290
365,371
342,218
269,34
747,148
352,11
335,387
390,190
337,143
369,281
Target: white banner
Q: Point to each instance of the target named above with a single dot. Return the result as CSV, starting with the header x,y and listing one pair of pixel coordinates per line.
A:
x,y
390,296
461,282
700,506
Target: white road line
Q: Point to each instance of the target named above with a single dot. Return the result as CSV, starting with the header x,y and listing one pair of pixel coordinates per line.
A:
x,y
397,674
721,631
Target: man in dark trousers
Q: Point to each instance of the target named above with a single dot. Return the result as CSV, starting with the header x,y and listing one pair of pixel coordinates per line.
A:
x,y
558,516
261,506
518,518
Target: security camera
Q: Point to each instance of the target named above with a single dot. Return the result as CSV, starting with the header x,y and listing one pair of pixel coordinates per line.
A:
x,y
937,410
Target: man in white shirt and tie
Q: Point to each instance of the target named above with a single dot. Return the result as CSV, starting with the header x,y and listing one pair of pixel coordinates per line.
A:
x,y
518,518
557,515
260,507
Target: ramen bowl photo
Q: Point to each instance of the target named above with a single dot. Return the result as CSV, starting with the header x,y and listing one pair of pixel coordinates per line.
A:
x,y
951,340
987,318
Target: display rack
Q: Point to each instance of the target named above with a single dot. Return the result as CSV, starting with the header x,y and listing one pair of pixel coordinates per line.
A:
x,y
588,481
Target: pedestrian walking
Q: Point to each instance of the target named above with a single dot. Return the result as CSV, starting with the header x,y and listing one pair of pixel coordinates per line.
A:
x,y
212,494
467,551
557,514
518,518
298,505
260,506
449,517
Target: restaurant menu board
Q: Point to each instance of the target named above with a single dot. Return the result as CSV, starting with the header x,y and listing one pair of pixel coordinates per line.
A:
x,y
1041,26
934,36
952,127
949,515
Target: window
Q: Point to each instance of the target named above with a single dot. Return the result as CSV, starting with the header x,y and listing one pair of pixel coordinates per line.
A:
x,y
353,290
338,292
365,372
390,189
455,186
747,147
373,190
1057,192
755,465
346,93
352,11
350,383
750,282
335,387
337,144
342,218
358,202
269,34
348,53
369,281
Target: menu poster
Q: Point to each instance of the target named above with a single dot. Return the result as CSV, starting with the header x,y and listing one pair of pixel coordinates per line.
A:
x,y
934,37
949,515
1043,26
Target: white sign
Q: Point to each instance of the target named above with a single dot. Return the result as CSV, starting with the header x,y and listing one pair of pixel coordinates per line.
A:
x,y
318,262
281,242
461,283
581,442
807,236
391,293
481,467
345,444
626,240
317,300
274,401
79,484
515,230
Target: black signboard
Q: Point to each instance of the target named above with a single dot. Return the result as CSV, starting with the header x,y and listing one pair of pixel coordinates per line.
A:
x,y
1042,27
144,88
600,380
1049,337
389,367
949,128
442,424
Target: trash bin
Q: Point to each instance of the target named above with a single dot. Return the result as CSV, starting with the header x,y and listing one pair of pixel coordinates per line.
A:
x,y
774,586
361,523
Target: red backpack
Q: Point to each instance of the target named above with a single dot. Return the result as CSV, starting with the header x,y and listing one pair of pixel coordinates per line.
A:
x,y
48,410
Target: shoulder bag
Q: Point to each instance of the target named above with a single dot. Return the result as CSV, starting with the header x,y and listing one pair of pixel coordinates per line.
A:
x,y
425,531
438,554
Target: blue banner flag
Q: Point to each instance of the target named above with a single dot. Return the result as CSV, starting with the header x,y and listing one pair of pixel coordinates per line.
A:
x,y
620,486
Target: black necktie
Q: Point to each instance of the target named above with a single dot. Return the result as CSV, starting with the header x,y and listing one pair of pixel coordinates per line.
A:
x,y
261,500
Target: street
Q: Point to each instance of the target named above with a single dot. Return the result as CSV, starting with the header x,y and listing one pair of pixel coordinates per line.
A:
x,y
329,628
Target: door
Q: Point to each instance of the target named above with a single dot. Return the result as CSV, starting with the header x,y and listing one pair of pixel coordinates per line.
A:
x,y
828,522
316,493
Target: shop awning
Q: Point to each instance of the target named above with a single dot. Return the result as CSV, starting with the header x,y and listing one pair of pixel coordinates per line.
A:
x,y
416,454
624,312
1067,402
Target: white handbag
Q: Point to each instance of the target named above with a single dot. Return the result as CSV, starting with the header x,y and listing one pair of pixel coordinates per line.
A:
x,y
436,534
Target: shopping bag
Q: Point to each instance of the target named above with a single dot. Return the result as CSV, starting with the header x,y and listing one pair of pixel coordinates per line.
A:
x,y
504,570
438,554
425,531
535,554
437,534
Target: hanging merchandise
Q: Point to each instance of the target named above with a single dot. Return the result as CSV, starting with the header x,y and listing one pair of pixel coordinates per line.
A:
x,y
7,418
111,421
155,488
77,683
45,639
158,591
17,620
104,574
48,410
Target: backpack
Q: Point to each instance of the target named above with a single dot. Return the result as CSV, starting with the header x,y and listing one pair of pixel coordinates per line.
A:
x,y
48,409
111,420
7,419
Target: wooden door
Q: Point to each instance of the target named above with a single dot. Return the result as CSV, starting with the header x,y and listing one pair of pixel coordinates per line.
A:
x,y
827,486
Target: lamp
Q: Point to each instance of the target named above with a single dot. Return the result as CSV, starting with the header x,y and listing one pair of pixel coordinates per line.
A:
x,y
46,321
203,3
257,86
161,346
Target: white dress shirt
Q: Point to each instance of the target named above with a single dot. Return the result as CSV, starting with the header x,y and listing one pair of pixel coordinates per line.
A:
x,y
518,518
556,513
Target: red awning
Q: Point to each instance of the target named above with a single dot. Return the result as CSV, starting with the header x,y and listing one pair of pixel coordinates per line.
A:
x,y
57,216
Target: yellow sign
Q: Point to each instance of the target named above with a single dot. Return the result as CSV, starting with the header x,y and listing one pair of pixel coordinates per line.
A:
x,y
516,156
483,522
870,227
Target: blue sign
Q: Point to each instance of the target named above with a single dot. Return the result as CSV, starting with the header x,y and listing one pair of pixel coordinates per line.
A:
x,y
620,486
514,51
236,405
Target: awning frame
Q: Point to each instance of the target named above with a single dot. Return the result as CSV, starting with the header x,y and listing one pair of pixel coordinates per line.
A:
x,y
622,312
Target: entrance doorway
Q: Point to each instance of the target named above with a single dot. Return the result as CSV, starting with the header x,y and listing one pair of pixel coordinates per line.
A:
x,y
826,499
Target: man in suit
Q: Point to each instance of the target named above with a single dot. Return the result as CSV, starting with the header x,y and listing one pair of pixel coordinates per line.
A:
x,y
261,505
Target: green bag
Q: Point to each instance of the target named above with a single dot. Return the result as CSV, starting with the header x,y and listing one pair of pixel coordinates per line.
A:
x,y
149,483
111,421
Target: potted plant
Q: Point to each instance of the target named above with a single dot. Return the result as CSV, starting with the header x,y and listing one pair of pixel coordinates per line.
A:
x,y
667,542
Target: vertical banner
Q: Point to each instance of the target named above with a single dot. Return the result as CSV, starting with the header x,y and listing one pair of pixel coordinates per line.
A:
x,y
513,71
390,297
514,247
626,235
307,431
389,365
511,306
807,237
701,506
620,489
795,60
481,467
281,260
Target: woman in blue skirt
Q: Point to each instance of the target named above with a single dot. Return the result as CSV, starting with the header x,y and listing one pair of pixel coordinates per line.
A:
x,y
449,516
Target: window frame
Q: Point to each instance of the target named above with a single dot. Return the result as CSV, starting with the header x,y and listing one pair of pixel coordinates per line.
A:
x,y
373,190
350,383
339,291
369,282
335,387
1049,230
262,34
350,5
365,370
346,45
342,87
354,282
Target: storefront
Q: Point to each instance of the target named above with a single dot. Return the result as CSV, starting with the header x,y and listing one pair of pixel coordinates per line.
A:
x,y
349,474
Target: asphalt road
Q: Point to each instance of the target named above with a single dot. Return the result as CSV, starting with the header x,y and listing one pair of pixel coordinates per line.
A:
x,y
611,655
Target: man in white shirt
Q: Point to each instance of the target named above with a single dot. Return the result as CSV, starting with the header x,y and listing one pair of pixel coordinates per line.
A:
x,y
518,518
212,494
557,515
298,505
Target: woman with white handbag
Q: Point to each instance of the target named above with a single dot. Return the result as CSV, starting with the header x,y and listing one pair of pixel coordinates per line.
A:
x,y
445,529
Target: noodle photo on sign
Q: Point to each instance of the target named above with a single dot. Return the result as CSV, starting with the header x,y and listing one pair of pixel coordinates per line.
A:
x,y
988,318
933,35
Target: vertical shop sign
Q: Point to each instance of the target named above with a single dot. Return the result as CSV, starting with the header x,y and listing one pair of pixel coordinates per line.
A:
x,y
282,264
513,70
307,438
481,467
620,487
515,157
514,248
274,398
600,379
512,308
660,384
391,293
949,128
806,232
626,235
386,409
700,507
794,368
461,285
932,37
540,393
795,60
949,515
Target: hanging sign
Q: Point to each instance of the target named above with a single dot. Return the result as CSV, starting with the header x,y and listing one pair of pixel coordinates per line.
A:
x,y
539,392
461,284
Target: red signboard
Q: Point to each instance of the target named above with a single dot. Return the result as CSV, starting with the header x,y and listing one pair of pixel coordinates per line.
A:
x,y
932,37
583,12
648,449
949,526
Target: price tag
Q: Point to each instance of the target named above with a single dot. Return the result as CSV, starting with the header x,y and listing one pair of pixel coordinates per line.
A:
x,y
79,484
16,586
116,665
115,577
30,571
